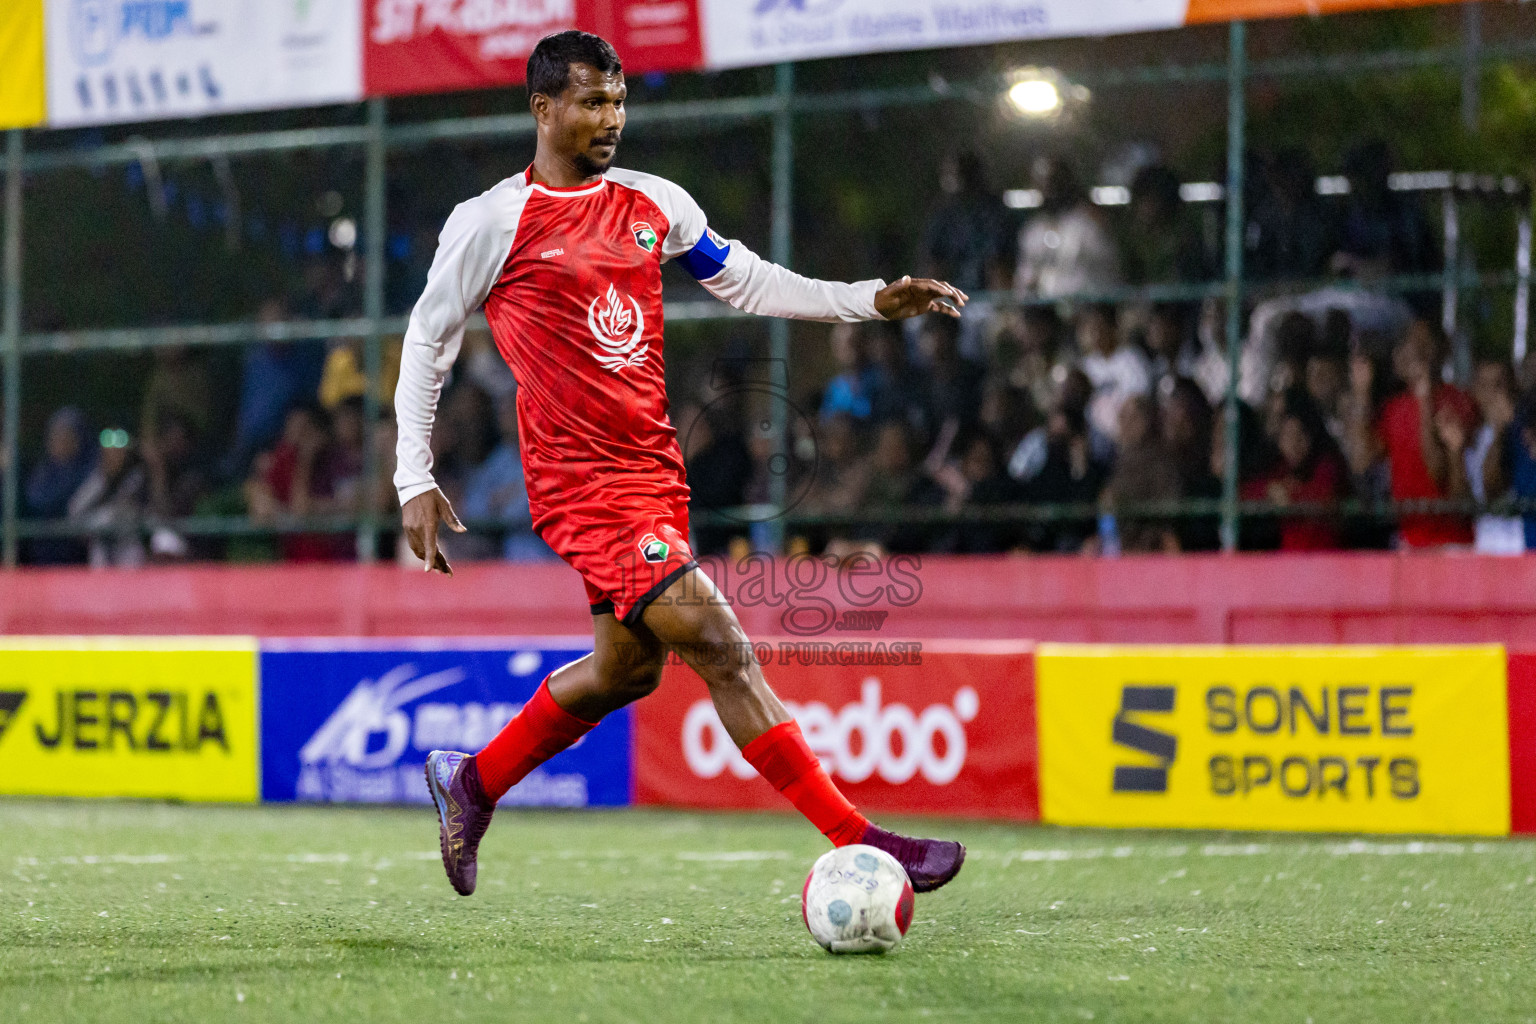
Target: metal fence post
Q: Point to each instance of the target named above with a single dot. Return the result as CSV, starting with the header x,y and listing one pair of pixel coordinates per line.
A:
x,y
1450,291
10,331
373,309
1522,287
781,250
1237,117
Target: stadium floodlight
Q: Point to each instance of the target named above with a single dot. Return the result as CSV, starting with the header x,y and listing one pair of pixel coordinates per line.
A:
x,y
1035,97
1039,94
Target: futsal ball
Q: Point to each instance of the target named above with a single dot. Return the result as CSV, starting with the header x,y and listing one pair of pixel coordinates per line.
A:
x,y
857,899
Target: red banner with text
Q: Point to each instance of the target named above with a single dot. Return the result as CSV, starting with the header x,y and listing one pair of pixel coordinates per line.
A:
x,y
418,46
912,728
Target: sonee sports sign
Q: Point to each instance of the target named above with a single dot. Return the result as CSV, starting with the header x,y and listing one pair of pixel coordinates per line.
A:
x,y
1326,739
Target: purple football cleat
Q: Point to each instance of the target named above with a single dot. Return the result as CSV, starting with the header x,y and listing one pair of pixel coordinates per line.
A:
x,y
461,814
929,863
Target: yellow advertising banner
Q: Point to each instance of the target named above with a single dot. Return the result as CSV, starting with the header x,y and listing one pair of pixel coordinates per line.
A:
x,y
22,99
1335,739
106,716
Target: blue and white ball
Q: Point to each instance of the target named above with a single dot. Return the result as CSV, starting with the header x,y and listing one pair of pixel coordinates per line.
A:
x,y
857,899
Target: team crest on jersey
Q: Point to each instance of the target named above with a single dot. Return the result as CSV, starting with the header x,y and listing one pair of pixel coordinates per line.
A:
x,y
645,236
653,549
618,325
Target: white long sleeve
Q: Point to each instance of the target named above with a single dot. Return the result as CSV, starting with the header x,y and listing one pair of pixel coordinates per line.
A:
x,y
471,251
753,284
735,274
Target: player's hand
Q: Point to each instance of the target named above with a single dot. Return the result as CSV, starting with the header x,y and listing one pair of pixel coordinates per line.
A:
x,y
421,515
914,296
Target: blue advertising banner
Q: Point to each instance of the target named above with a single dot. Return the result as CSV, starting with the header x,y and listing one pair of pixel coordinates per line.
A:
x,y
353,723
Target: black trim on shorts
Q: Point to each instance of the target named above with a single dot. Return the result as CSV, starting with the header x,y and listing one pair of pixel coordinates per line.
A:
x,y
603,607
633,618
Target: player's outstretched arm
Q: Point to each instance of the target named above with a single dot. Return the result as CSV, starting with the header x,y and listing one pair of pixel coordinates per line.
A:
x,y
732,272
469,256
914,296
421,515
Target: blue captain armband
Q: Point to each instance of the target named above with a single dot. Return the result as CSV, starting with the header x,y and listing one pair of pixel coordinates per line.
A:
x,y
706,259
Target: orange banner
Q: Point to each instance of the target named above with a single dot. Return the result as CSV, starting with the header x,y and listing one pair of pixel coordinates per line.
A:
x,y
1245,10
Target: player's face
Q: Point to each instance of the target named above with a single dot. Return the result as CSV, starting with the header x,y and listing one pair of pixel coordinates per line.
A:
x,y
587,119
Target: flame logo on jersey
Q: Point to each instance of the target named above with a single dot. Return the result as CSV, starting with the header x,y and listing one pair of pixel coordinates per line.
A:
x,y
618,325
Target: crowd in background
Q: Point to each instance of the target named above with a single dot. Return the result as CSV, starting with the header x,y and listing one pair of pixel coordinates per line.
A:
x,y
1101,417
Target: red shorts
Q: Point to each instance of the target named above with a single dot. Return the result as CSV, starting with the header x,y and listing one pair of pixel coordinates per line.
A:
x,y
628,550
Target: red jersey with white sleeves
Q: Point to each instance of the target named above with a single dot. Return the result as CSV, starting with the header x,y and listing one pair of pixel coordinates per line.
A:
x,y
571,283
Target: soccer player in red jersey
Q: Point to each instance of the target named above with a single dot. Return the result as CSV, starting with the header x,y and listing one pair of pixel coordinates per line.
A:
x,y
566,259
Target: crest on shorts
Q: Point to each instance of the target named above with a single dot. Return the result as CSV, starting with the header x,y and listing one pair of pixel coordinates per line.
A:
x,y
645,236
653,549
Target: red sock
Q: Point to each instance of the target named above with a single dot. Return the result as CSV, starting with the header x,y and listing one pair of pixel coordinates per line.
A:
x,y
782,756
539,732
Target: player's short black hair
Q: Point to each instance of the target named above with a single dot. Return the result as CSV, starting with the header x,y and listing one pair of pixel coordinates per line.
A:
x,y
549,66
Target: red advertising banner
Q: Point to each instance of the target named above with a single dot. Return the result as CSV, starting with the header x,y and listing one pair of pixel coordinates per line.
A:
x,y
650,35
918,728
417,46
1522,741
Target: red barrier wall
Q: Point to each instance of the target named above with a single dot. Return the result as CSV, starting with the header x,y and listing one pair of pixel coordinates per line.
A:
x,y
1345,598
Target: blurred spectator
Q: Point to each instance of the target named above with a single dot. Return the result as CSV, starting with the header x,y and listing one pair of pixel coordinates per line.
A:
x,y
953,385
893,486
1326,377
841,478
462,437
860,386
1375,319
1065,248
1422,433
348,457
343,377
296,480
966,238
66,463
887,352
1170,344
1146,471
719,467
179,386
1028,346
1161,243
110,504
1065,462
1380,231
1309,470
1288,231
1493,389
274,376
177,480
1515,468
497,493
974,480
1187,424
1118,371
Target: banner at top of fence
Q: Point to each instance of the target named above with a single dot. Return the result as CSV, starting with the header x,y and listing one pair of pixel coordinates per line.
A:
x,y
414,46
113,61
21,63
137,60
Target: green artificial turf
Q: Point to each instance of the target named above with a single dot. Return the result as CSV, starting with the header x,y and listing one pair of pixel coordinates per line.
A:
x,y
148,912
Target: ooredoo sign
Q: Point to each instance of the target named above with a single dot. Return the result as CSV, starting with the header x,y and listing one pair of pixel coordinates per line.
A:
x,y
936,731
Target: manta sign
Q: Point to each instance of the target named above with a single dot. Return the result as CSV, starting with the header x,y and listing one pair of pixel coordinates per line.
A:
x,y
355,724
